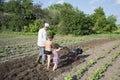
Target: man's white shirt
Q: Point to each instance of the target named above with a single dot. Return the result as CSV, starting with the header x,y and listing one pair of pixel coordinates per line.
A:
x,y
42,37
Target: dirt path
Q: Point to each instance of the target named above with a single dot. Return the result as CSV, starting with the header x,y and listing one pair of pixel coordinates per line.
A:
x,y
26,69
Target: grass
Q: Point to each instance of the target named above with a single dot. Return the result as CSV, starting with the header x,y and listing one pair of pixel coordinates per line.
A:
x,y
63,40
108,35
9,36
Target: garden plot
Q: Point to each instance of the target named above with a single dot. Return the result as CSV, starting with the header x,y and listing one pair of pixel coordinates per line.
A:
x,y
99,55
26,69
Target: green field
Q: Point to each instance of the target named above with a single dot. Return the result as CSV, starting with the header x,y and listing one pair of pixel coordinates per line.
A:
x,y
16,44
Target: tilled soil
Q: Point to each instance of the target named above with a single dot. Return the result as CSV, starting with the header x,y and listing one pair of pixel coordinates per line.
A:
x,y
108,52
113,72
26,68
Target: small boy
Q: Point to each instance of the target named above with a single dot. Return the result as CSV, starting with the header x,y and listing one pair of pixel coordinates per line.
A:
x,y
48,49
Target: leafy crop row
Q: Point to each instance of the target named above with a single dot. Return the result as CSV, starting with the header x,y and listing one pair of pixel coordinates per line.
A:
x,y
80,71
17,50
98,73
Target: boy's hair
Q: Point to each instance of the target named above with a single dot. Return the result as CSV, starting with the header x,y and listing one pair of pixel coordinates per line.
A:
x,y
50,36
55,46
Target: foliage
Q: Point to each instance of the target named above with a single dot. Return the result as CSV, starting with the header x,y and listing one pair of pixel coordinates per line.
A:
x,y
72,20
111,26
38,12
1,5
15,23
68,77
113,58
101,23
50,33
34,27
21,15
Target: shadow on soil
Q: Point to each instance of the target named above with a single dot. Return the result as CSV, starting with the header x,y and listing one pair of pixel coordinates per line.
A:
x,y
66,61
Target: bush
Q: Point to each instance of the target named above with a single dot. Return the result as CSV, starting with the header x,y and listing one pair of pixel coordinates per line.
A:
x,y
34,27
50,32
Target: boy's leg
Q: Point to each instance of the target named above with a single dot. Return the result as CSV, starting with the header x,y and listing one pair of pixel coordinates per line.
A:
x,y
48,61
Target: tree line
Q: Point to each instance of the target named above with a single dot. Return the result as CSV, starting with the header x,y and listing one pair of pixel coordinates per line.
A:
x,y
24,16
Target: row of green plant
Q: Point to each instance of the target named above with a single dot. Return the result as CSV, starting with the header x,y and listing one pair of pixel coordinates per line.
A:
x,y
23,47
65,40
114,57
69,40
114,47
79,73
17,49
81,70
98,73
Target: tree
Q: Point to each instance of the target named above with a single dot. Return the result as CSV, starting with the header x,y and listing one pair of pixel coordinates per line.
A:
x,y
27,10
20,10
13,6
111,26
67,19
16,23
1,5
99,20
37,11
70,20
74,21
101,23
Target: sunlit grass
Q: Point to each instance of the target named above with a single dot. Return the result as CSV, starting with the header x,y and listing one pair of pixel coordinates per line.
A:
x,y
9,36
63,40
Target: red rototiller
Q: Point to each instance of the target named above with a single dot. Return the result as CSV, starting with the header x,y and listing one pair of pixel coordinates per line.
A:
x,y
73,54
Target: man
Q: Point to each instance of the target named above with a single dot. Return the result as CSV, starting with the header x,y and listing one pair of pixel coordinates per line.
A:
x,y
42,37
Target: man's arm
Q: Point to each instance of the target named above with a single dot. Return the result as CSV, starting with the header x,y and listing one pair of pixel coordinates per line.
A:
x,y
44,36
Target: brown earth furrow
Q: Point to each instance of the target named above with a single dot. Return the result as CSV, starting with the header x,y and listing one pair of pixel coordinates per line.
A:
x,y
113,72
26,69
99,64
95,52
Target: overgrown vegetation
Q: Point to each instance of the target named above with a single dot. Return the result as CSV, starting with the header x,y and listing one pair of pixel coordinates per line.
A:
x,y
24,16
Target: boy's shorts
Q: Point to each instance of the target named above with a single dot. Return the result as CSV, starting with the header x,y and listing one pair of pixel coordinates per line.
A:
x,y
48,52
